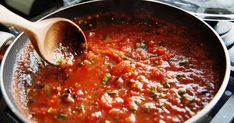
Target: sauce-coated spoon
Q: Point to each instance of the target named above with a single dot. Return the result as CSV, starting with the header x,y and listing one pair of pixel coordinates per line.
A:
x,y
56,40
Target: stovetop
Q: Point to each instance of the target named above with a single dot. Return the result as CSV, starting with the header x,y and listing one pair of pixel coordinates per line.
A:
x,y
223,112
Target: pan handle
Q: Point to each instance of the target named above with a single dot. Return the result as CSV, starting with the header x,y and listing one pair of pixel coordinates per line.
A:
x,y
226,30
213,17
231,52
5,40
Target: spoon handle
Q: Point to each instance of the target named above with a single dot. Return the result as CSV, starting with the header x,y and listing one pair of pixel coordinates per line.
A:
x,y
10,18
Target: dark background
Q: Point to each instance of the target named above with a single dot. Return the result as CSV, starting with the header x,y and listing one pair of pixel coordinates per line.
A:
x,y
38,7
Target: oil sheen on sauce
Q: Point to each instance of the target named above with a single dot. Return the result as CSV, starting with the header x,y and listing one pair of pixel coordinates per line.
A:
x,y
130,73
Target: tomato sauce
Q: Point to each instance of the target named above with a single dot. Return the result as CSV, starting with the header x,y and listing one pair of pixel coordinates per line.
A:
x,y
131,72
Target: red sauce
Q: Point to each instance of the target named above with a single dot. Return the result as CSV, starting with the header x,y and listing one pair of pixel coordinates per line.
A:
x,y
130,73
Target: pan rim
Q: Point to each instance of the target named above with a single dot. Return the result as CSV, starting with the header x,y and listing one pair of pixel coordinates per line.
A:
x,y
194,118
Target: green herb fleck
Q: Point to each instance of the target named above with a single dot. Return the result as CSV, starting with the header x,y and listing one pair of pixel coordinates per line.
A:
x,y
181,91
153,91
126,56
106,78
141,45
184,62
60,60
174,59
62,116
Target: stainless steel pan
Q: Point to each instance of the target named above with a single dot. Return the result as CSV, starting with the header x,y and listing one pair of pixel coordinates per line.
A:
x,y
157,9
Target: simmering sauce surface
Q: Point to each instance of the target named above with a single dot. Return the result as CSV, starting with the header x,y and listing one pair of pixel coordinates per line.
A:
x,y
130,73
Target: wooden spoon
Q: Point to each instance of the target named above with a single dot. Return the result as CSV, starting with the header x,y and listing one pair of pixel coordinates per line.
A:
x,y
57,40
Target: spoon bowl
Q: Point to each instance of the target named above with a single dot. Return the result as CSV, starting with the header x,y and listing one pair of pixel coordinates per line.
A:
x,y
60,40
56,40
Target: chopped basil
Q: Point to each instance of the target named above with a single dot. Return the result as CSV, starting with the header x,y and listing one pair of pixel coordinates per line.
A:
x,y
62,116
126,56
60,60
141,45
153,91
106,78
184,62
181,60
174,59
181,91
